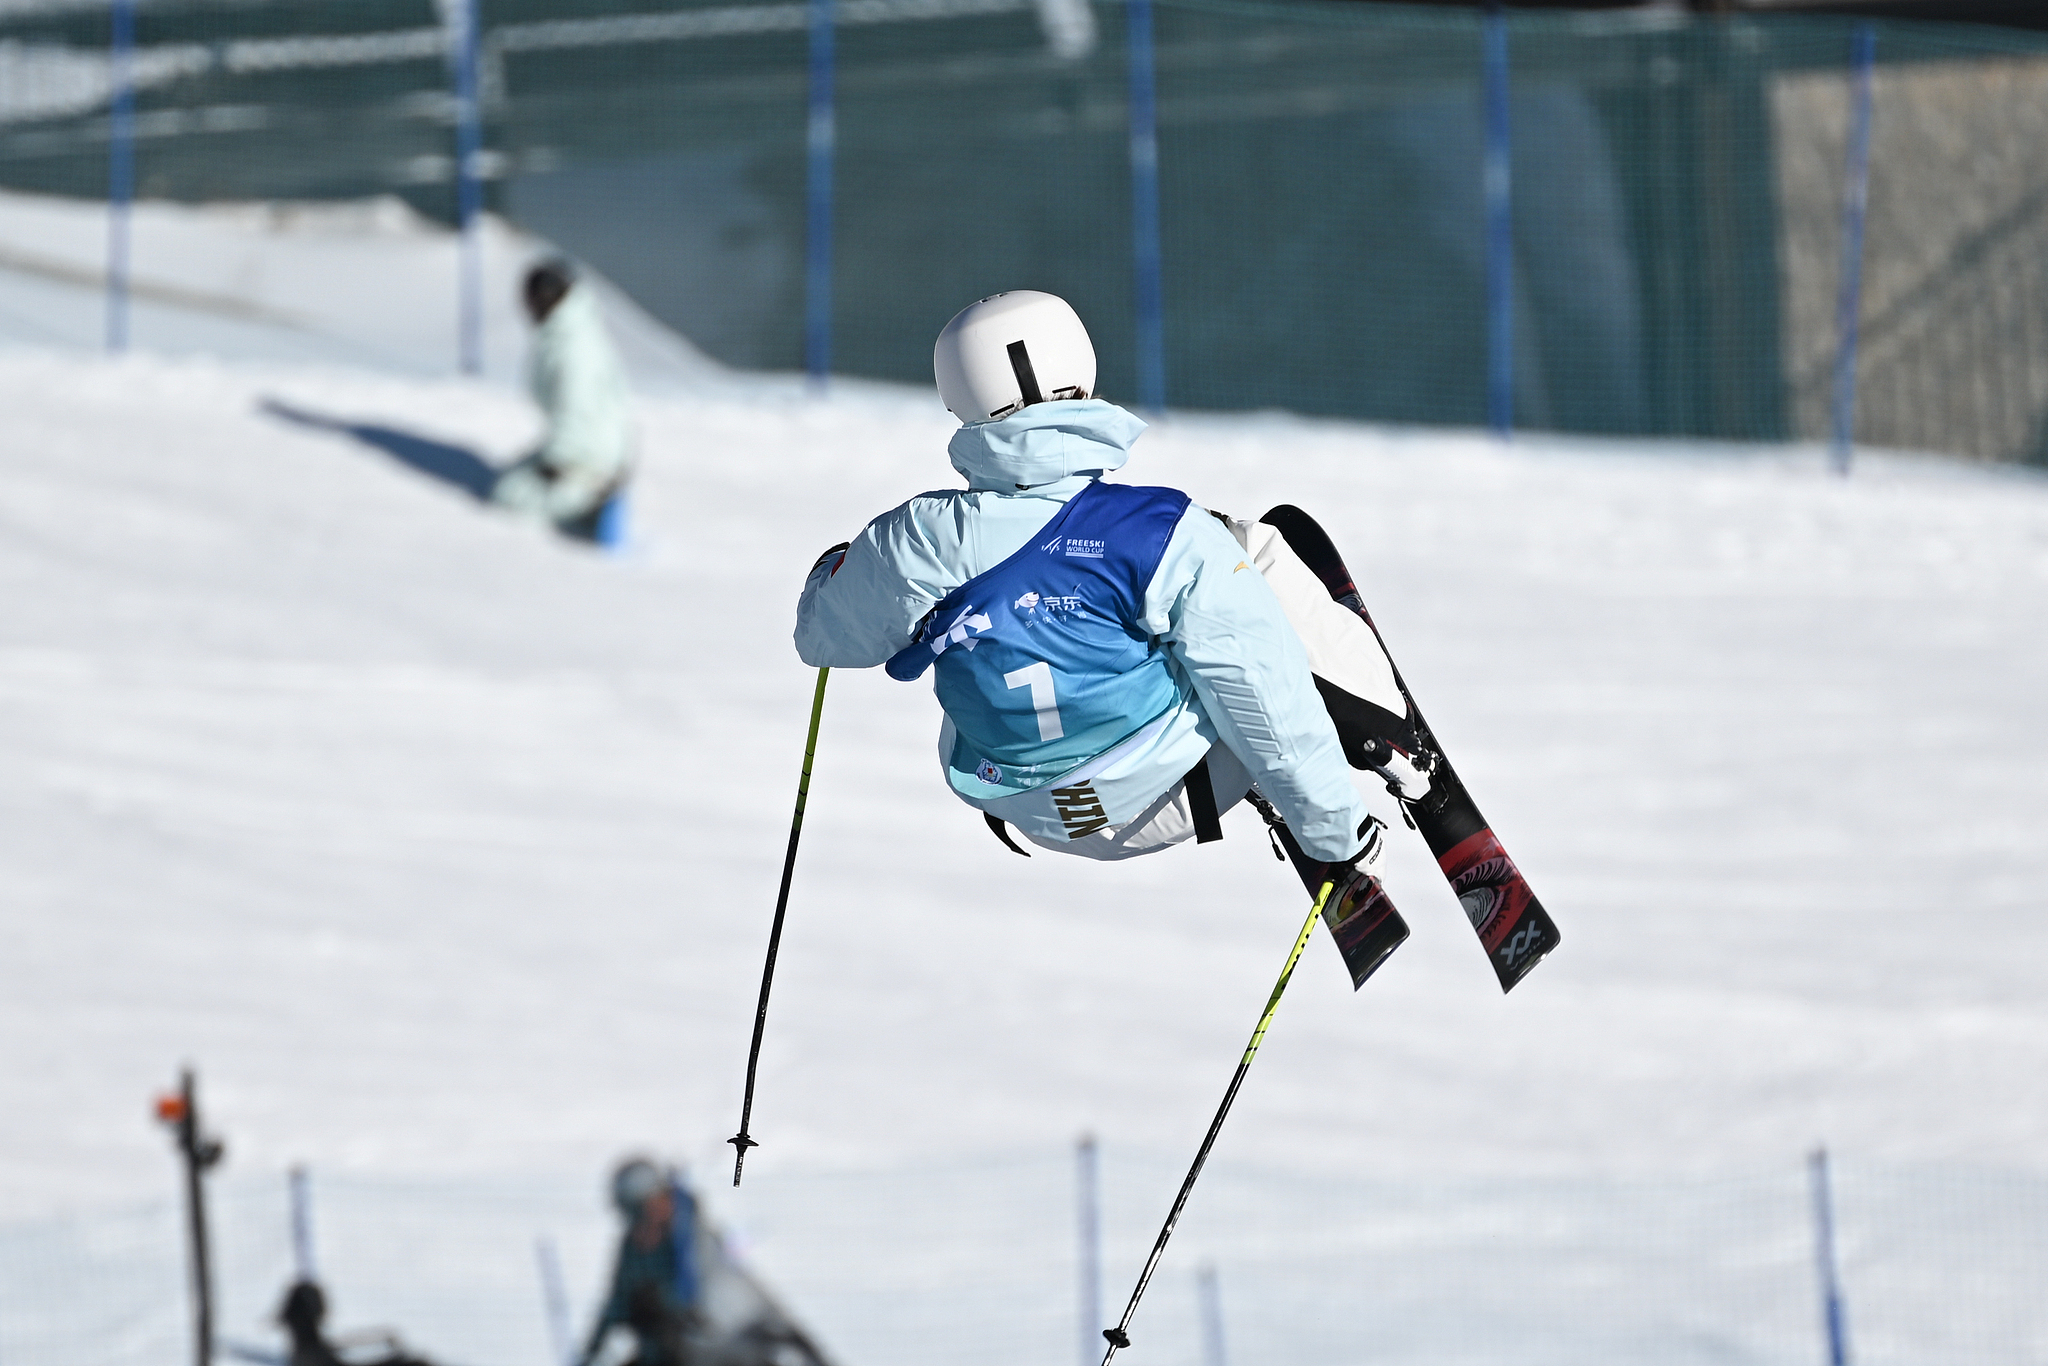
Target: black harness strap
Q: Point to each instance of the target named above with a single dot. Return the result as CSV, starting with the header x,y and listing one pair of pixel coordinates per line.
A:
x,y
1002,833
1202,803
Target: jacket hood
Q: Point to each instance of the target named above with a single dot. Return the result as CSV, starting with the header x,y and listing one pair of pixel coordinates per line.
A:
x,y
576,311
1044,443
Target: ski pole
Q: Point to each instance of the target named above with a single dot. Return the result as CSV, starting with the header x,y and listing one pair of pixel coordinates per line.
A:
x,y
1120,1335
740,1141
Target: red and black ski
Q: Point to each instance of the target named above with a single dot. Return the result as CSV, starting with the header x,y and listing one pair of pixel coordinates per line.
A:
x,y
1367,928
1512,925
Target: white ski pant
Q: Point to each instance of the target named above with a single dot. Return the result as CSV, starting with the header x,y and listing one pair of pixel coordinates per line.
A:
x,y
538,492
1341,648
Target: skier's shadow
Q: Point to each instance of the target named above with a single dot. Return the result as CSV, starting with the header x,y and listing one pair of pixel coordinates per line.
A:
x,y
457,465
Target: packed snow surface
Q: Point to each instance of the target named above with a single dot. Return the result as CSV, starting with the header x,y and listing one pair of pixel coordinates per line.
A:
x,y
447,850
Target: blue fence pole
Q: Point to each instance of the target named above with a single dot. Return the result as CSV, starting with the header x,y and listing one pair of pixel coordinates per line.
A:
x,y
469,141
120,170
554,1296
822,139
1855,199
1088,1211
1832,1317
1211,1296
301,1189
1145,210
1500,232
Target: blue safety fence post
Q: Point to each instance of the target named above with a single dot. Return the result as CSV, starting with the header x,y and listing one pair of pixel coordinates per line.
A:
x,y
1498,182
1211,1297
1088,1213
822,137
1150,297
1832,1317
469,140
554,1295
1855,199
301,1190
120,170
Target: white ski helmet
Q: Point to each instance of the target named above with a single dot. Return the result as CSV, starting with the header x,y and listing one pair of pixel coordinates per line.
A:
x,y
1009,351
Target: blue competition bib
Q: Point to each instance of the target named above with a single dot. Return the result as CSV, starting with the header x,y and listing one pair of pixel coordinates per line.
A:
x,y
1041,662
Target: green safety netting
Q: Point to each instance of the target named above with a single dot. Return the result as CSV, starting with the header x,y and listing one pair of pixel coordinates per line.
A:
x,y
1677,187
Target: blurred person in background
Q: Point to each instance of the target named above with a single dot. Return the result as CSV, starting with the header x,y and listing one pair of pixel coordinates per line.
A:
x,y
575,478
654,1289
304,1317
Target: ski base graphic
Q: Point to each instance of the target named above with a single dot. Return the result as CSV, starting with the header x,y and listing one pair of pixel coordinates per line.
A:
x,y
1511,923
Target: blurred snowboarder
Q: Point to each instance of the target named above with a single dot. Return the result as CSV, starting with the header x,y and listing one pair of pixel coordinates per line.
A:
x,y
654,1290
304,1315
1117,664
576,475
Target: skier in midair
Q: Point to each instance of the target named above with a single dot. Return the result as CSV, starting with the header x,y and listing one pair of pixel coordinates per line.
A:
x,y
1117,664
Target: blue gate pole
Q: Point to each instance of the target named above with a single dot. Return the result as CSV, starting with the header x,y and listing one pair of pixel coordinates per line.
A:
x,y
302,1224
469,185
822,138
1832,1317
1088,1209
1145,210
1855,199
1211,1297
555,1301
120,170
1500,234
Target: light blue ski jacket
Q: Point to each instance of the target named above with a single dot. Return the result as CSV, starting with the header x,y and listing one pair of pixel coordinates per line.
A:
x,y
1241,672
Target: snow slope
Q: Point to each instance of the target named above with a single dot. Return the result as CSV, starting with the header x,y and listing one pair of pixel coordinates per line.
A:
x,y
447,851
366,283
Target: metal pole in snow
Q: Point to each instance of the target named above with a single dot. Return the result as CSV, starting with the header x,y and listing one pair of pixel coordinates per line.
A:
x,y
1150,292
1089,1211
822,137
180,1113
198,1155
469,185
1500,240
1832,1316
1211,1298
120,170
302,1223
1855,199
555,1299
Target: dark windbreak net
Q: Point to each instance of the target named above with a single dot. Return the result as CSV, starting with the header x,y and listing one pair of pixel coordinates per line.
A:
x,y
1676,187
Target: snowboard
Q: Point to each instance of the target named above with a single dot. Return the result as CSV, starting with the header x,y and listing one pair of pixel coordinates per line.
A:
x,y
1512,925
